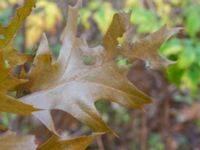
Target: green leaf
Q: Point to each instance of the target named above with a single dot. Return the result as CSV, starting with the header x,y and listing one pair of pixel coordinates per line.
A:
x,y
192,19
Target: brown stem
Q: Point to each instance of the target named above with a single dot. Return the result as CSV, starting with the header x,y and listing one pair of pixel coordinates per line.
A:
x,y
169,142
100,143
144,132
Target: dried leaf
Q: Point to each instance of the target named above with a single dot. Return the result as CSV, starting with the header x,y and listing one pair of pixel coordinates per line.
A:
x,y
80,143
72,86
42,70
9,31
8,103
117,28
146,49
10,141
68,84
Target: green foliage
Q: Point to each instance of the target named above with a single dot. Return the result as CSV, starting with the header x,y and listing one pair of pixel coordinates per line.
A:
x,y
101,12
192,22
155,142
146,20
185,73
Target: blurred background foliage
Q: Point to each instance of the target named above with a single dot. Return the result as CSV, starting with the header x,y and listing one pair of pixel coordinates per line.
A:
x,y
49,16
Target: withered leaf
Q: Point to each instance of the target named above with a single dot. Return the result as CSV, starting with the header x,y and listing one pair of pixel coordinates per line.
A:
x,y
7,82
80,143
9,31
118,26
70,85
10,141
147,48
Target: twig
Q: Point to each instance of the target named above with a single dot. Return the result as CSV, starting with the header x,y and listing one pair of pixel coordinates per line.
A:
x,y
144,132
100,143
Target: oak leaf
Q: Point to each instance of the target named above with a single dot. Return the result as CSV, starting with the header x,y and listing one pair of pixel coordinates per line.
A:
x,y
119,25
147,48
7,82
12,57
70,85
56,143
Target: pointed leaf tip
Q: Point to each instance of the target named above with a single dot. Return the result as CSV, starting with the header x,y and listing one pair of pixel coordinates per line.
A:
x,y
147,48
43,46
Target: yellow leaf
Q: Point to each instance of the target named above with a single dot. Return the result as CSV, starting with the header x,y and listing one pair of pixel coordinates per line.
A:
x,y
80,143
16,22
8,103
13,57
